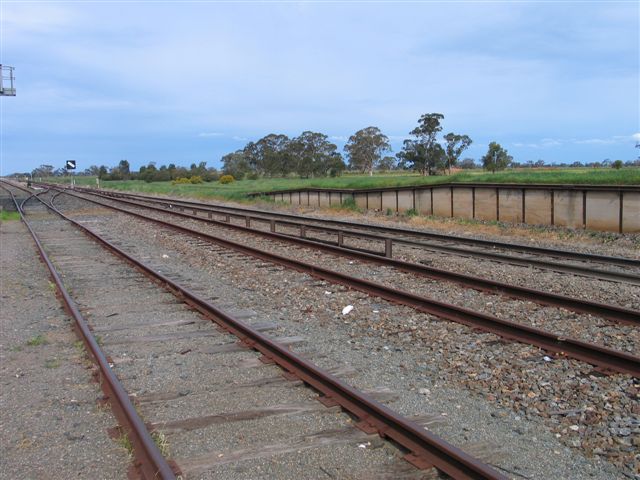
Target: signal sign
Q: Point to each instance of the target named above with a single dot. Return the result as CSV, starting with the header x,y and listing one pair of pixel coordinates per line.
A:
x,y
71,165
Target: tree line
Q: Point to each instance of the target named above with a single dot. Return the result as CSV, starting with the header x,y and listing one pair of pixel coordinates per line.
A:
x,y
148,173
312,154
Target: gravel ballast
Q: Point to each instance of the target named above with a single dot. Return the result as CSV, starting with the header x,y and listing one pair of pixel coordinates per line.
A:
x,y
508,393
52,424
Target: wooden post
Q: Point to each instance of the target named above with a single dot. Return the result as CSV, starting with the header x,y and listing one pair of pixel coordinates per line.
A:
x,y
621,211
584,209
387,247
473,202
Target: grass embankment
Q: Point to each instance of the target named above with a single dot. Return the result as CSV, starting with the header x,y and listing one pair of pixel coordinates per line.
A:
x,y
238,189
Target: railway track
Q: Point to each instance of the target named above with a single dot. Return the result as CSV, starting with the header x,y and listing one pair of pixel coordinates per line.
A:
x,y
144,347
611,312
384,240
604,358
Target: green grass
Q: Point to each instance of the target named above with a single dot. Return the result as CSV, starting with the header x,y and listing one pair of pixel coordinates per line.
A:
x,y
8,215
239,189
124,442
161,441
37,340
52,363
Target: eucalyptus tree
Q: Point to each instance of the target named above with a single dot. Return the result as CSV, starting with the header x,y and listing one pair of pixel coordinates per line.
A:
x,y
496,158
423,153
270,155
236,164
313,154
366,148
455,145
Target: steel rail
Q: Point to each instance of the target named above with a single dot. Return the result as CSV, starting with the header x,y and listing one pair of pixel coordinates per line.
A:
x,y
499,257
556,253
605,358
610,312
426,449
150,463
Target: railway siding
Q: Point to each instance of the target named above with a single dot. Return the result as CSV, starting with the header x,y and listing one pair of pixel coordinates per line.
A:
x,y
319,259
52,423
427,450
406,351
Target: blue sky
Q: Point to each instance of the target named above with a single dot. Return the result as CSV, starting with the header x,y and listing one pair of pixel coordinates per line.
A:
x,y
186,82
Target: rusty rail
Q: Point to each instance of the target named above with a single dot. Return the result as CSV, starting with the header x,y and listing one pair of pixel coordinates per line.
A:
x,y
426,450
150,463
610,312
604,358
242,212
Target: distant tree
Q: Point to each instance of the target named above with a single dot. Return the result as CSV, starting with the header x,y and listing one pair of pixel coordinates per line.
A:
x,y
496,158
365,149
60,172
149,173
424,154
43,171
576,165
102,172
426,160
312,154
236,164
539,163
336,165
211,175
456,144
270,155
124,169
93,170
162,174
387,163
617,164
468,164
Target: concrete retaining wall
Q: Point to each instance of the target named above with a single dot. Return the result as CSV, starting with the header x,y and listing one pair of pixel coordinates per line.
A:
x,y
606,208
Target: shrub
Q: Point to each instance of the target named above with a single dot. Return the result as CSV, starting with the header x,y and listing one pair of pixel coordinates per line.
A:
x,y
412,212
227,179
349,203
181,181
211,176
184,180
617,164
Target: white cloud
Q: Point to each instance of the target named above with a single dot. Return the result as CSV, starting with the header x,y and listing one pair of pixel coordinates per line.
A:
x,y
211,134
557,142
550,142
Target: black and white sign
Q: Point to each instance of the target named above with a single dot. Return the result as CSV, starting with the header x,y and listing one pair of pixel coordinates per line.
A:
x,y
71,165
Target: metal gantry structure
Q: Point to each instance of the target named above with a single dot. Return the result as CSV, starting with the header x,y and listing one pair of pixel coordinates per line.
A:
x,y
7,81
